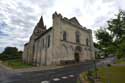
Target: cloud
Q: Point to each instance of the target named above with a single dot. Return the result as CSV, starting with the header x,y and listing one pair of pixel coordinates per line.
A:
x,y
18,18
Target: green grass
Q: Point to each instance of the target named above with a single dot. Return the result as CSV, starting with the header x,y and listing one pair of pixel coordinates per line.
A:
x,y
78,81
113,74
120,62
16,64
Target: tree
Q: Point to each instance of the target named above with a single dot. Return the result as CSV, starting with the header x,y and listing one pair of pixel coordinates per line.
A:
x,y
10,53
111,39
10,50
121,50
104,40
104,37
115,26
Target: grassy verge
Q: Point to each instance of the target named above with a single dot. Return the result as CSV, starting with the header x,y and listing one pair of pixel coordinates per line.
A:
x,y
16,64
84,78
113,74
120,62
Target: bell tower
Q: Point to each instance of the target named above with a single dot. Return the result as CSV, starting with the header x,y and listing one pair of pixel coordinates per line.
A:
x,y
40,27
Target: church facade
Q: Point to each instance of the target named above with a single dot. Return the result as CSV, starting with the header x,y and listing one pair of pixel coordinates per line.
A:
x,y
66,41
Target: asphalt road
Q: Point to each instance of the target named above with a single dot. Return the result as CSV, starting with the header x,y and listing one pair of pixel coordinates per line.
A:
x,y
62,75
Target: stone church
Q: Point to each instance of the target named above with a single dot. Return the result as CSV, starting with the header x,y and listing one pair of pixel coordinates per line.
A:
x,y
66,41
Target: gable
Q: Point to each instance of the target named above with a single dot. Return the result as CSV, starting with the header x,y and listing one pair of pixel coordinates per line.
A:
x,y
74,20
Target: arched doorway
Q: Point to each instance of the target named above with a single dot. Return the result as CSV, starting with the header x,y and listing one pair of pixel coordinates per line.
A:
x,y
78,50
76,57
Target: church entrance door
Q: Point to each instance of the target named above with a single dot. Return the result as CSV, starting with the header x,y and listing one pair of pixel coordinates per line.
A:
x,y
78,50
77,57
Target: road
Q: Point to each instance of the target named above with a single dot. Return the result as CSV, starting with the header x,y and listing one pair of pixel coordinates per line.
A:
x,y
6,75
62,75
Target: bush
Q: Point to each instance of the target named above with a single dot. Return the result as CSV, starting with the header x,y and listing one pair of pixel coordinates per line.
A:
x,y
11,53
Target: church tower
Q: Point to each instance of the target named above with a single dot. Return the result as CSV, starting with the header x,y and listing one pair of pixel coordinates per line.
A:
x,y
40,27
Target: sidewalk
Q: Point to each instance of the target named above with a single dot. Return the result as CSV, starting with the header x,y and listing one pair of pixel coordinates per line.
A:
x,y
31,69
41,68
44,68
4,67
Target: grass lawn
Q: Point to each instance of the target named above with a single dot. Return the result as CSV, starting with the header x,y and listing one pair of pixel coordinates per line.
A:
x,y
120,62
16,64
113,74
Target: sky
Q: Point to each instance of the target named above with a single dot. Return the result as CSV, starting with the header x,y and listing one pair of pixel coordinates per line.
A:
x,y
19,17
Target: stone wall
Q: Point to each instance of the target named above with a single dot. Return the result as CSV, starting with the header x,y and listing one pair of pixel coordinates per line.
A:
x,y
43,53
64,50
38,53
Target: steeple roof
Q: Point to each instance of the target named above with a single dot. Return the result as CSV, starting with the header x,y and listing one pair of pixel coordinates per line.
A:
x,y
40,24
39,29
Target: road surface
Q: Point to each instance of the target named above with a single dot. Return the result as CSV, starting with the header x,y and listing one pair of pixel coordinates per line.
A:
x,y
62,75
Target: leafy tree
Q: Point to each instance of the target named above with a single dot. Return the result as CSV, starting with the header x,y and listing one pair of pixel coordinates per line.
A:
x,y
117,27
111,39
10,50
104,40
10,53
102,35
121,50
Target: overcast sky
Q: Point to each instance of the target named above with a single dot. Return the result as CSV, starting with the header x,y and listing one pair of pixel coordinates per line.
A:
x,y
18,17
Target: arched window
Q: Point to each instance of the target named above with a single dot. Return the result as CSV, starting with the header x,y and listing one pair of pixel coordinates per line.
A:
x,y
87,42
77,37
48,41
43,43
64,35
